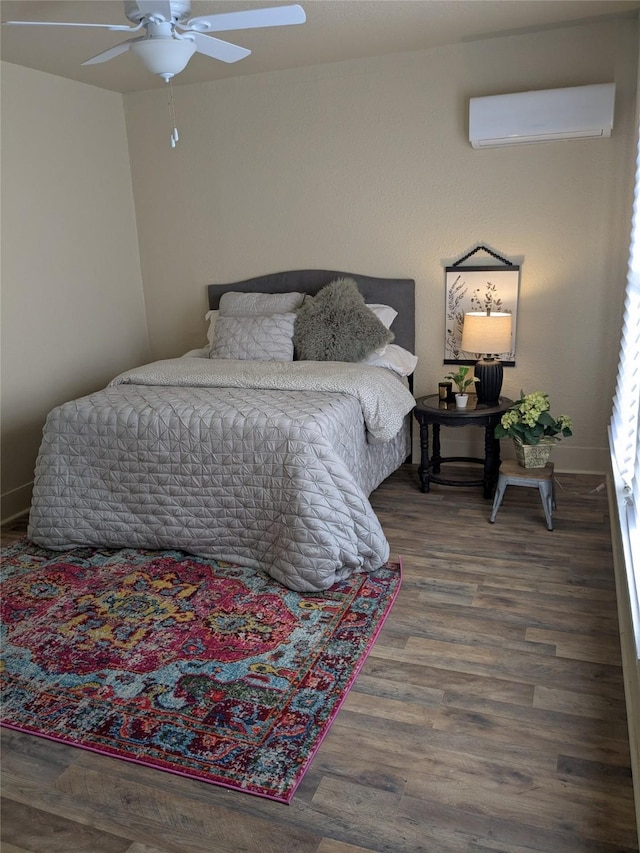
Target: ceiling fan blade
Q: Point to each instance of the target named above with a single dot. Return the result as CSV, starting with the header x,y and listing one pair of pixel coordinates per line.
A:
x,y
113,27
106,55
155,7
217,49
276,16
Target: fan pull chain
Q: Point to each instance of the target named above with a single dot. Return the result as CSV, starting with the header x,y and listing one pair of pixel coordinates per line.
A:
x,y
172,116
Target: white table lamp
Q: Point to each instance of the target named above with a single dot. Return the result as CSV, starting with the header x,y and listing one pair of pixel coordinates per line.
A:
x,y
488,335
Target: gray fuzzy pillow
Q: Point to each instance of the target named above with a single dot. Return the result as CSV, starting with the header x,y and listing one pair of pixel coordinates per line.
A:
x,y
336,325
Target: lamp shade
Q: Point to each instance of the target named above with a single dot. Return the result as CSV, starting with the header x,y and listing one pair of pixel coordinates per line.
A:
x,y
486,333
164,56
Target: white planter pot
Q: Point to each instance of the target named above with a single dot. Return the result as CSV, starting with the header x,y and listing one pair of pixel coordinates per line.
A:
x,y
461,401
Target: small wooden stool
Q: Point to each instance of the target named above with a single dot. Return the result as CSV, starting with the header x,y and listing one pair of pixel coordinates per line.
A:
x,y
512,474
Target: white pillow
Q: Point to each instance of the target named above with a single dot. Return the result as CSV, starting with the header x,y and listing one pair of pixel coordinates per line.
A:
x,y
211,317
385,313
201,352
394,358
253,304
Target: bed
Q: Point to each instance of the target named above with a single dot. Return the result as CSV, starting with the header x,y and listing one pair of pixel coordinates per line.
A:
x,y
231,453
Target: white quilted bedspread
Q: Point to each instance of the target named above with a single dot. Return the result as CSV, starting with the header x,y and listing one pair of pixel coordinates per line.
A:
x,y
384,399
211,459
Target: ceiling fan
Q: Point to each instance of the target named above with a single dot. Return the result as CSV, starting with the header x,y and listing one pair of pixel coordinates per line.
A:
x,y
171,36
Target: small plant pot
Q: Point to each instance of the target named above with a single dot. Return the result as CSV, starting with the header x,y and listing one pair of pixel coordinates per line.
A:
x,y
461,401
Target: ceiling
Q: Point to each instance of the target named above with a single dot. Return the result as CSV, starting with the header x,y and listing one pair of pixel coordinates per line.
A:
x,y
335,30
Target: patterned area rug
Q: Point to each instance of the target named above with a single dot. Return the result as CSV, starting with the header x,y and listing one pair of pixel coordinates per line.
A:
x,y
193,666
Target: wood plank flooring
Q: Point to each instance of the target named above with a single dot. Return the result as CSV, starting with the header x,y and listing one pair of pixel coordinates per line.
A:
x,y
489,716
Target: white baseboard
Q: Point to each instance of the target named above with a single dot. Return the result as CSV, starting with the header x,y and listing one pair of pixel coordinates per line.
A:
x,y
15,503
470,442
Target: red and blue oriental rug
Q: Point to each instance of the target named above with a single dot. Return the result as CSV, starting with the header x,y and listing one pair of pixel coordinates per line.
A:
x,y
188,665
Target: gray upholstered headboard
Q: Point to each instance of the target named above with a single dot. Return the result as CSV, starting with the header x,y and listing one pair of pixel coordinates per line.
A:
x,y
397,292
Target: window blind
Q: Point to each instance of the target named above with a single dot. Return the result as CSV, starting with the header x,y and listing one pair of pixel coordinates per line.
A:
x,y
624,429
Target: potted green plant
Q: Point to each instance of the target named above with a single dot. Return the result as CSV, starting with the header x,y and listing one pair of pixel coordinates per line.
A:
x,y
462,381
533,428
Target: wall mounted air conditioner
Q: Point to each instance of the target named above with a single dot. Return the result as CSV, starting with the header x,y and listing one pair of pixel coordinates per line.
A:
x,y
550,114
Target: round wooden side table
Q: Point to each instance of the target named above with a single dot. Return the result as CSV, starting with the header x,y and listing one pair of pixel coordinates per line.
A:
x,y
431,411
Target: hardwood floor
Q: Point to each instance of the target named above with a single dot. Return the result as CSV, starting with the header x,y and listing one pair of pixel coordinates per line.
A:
x,y
489,716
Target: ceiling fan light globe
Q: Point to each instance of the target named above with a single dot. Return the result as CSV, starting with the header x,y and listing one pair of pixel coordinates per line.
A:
x,y
165,57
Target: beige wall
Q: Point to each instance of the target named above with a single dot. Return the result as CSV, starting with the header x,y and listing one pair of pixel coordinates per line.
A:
x,y
72,303
365,166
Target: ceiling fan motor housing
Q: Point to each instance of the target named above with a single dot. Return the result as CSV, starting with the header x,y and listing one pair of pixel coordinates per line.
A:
x,y
180,11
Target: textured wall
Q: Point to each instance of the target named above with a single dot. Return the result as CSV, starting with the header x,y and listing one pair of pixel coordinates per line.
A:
x,y
72,304
366,166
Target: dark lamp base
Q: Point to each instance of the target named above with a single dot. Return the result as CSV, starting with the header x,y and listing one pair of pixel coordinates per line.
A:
x,y
489,372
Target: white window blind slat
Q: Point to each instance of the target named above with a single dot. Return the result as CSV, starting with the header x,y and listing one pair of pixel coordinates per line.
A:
x,y
624,428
